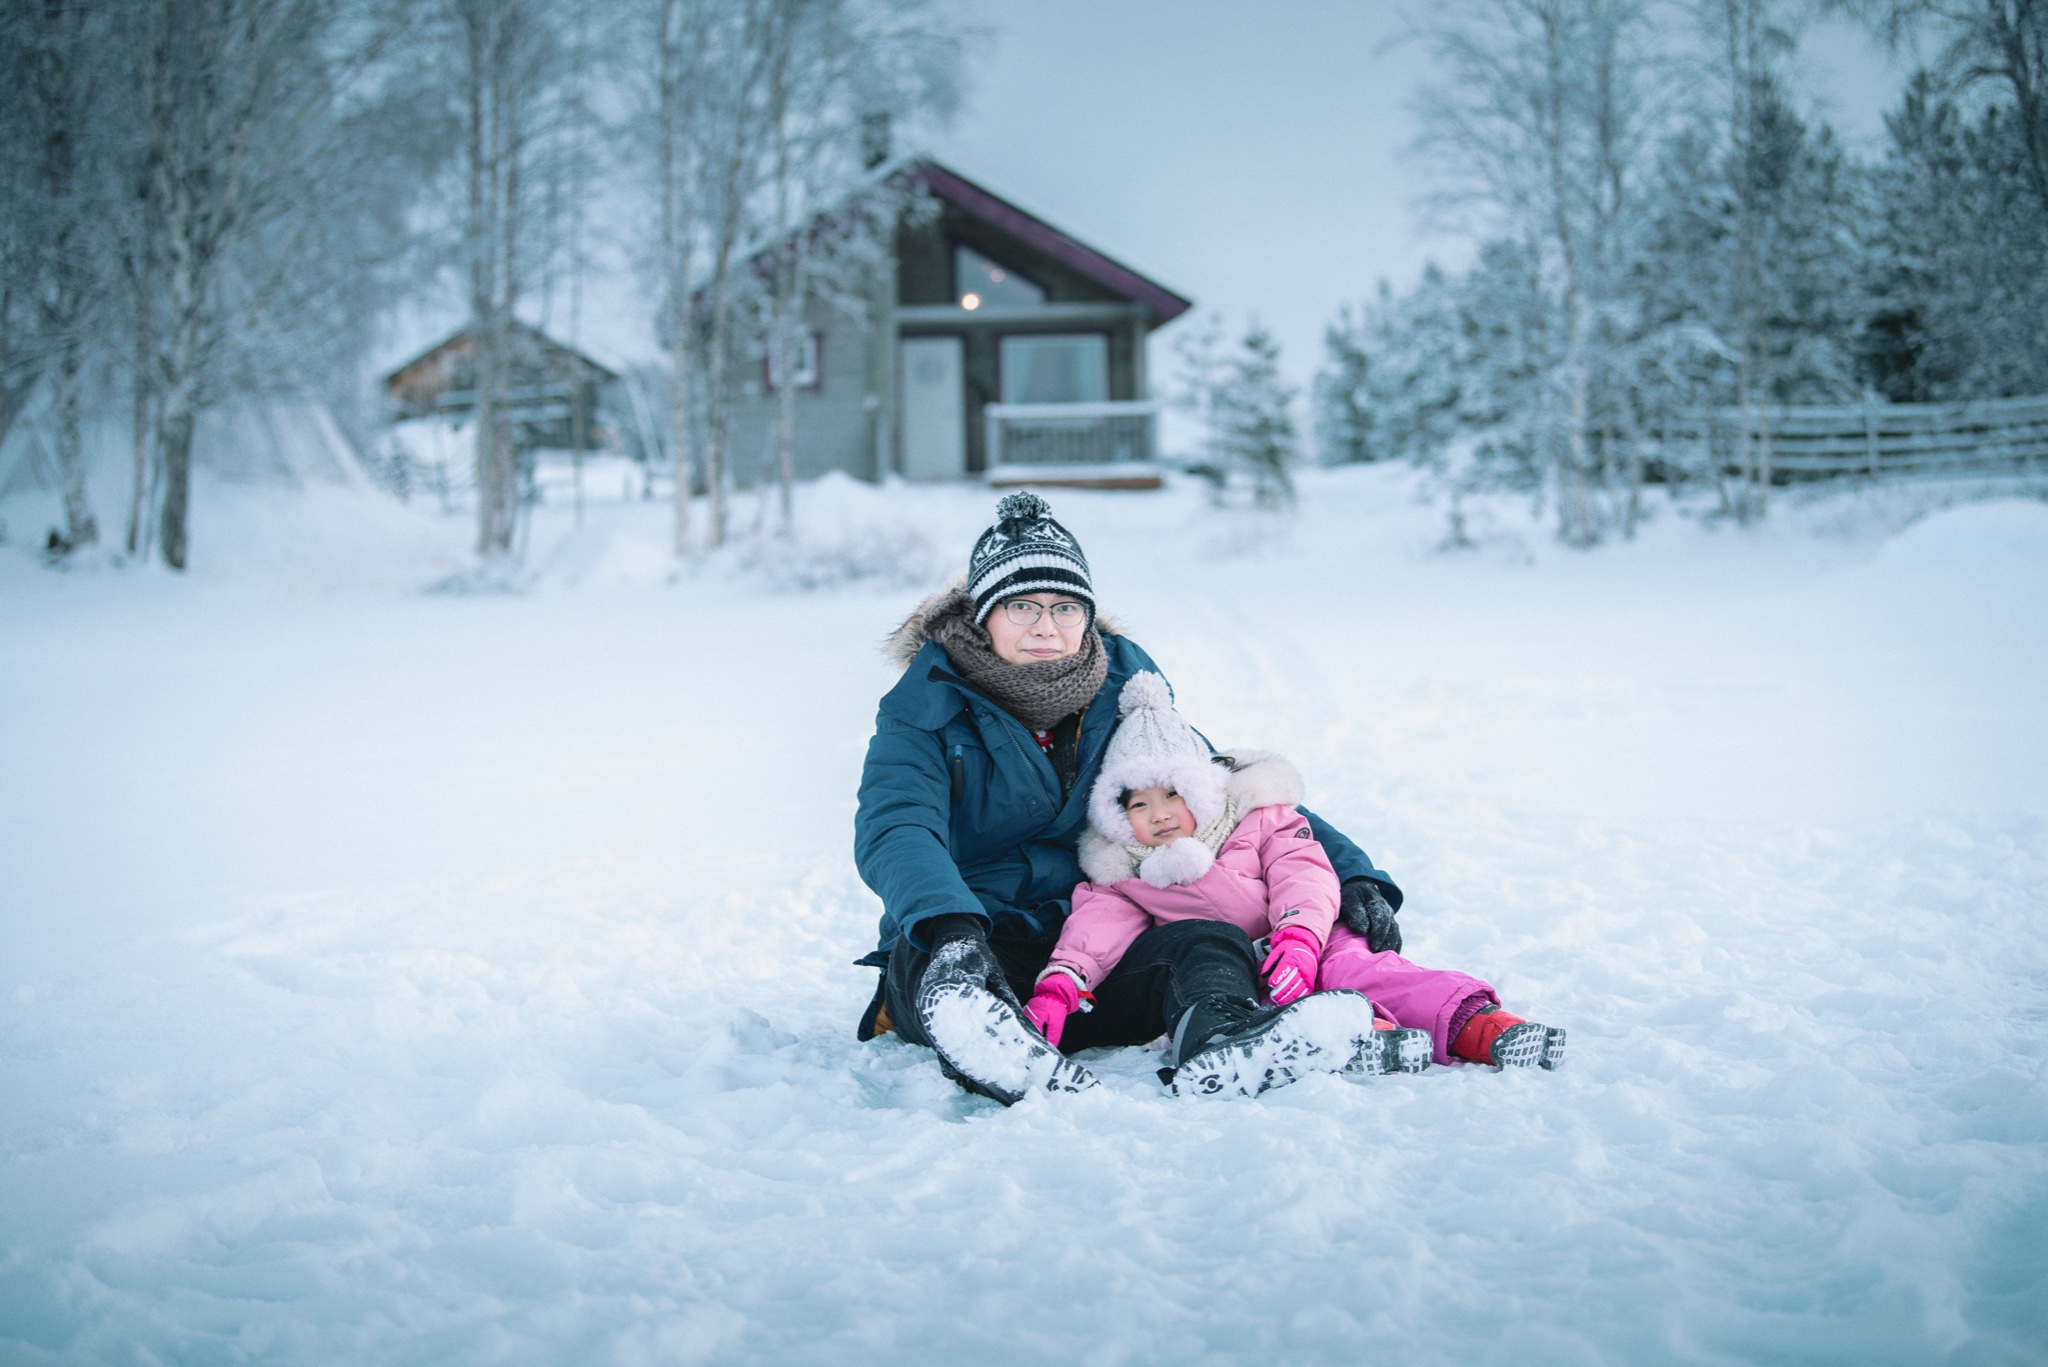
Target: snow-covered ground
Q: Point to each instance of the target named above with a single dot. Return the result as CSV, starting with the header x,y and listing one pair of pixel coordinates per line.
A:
x,y
399,976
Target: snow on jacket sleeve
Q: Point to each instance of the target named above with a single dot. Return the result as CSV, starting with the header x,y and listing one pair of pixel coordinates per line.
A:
x,y
901,830
1101,928
1301,887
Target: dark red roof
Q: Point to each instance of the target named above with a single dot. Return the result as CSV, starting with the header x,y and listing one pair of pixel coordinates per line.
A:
x,y
998,212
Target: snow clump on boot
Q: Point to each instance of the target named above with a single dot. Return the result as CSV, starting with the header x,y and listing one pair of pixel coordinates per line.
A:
x,y
984,1042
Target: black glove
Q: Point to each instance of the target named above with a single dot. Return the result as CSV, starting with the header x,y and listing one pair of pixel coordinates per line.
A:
x,y
1364,908
937,930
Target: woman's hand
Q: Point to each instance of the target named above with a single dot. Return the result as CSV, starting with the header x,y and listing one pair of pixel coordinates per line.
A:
x,y
1290,969
1367,912
1057,997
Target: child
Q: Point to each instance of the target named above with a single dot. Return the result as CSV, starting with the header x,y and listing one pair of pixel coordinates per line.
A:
x,y
1178,833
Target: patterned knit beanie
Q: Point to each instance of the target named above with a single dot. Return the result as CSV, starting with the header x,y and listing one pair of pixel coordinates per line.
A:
x,y
1026,552
1154,748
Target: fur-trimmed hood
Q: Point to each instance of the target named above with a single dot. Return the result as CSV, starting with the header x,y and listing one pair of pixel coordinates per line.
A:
x,y
1258,778
902,644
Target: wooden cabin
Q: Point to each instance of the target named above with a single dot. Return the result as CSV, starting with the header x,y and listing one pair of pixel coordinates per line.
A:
x,y
993,346
557,398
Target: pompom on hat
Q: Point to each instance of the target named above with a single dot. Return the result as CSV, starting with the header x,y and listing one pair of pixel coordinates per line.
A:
x,y
1154,748
1026,552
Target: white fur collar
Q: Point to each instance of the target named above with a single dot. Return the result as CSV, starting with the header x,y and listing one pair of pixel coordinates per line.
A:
x,y
1259,778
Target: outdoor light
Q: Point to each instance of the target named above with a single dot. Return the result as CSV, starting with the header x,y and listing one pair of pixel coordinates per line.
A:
x,y
970,301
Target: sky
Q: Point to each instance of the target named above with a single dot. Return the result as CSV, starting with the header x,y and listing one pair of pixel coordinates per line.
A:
x,y
1254,157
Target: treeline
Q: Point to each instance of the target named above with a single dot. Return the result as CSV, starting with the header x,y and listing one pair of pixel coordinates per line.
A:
x,y
202,199
1662,229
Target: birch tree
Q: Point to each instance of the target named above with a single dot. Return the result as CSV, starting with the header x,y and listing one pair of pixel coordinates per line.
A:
x,y
51,252
708,128
757,116
20,240
680,47
239,105
511,63
842,75
1751,40
733,126
24,212
1540,120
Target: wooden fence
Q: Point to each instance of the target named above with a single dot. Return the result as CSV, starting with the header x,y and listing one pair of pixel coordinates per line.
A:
x,y
1876,439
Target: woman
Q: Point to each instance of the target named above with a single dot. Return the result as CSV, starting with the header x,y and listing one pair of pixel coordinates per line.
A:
x,y
973,796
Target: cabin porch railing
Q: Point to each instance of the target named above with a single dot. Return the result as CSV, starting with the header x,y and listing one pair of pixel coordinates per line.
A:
x,y
1071,434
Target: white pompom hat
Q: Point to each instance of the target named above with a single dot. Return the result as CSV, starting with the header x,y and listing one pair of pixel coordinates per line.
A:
x,y
1153,748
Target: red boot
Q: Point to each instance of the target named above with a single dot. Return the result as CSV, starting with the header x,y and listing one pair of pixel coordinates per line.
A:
x,y
1506,1041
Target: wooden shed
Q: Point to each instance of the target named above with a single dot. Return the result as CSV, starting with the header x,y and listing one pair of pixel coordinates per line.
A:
x,y
556,399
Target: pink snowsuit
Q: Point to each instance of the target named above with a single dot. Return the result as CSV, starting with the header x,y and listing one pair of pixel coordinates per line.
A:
x,y
1269,871
1439,1000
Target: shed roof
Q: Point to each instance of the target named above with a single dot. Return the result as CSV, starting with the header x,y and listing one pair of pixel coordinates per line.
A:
x,y
556,352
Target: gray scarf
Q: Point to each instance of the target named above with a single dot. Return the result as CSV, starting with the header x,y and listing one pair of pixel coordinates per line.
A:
x,y
1037,694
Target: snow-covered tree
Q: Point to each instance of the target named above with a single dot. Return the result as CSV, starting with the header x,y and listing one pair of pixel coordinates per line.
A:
x,y
1751,273
1245,408
54,283
1538,124
714,120
1960,266
1639,261
755,116
244,158
2002,44
1395,383
502,71
843,74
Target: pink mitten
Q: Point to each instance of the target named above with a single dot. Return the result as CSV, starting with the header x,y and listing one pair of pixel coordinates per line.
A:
x,y
1290,968
1055,999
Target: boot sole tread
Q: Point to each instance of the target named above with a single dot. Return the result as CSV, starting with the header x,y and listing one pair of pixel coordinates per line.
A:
x,y
1393,1051
1529,1045
1033,1063
1257,1063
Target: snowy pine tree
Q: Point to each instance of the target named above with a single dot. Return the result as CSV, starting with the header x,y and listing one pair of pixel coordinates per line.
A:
x,y
1959,268
1394,387
1245,407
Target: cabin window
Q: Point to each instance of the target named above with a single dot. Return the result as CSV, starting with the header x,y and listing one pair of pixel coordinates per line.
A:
x,y
1068,367
808,376
980,283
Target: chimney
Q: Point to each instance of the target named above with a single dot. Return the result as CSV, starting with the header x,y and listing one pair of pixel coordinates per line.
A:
x,y
874,139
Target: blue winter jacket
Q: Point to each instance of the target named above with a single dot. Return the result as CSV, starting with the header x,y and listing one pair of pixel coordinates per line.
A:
x,y
960,811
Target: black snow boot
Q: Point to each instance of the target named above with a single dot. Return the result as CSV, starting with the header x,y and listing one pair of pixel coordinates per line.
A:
x,y
1232,1046
982,1037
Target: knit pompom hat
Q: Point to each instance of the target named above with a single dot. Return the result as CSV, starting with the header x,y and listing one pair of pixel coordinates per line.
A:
x,y
1026,552
1154,748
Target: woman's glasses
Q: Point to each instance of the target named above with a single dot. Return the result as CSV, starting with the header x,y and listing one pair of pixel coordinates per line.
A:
x,y
1022,612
